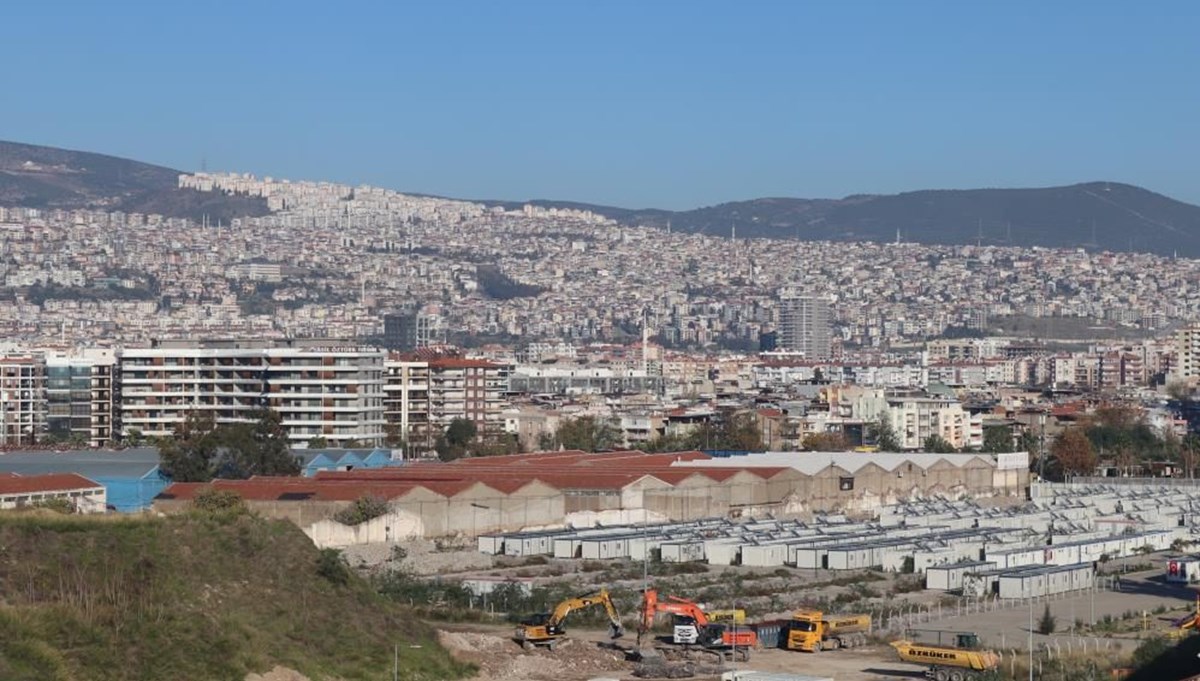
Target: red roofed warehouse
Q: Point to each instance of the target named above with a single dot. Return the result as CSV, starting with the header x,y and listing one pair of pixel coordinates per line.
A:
x,y
84,495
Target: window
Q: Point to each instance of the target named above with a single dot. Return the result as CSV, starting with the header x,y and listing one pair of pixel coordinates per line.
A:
x,y
845,484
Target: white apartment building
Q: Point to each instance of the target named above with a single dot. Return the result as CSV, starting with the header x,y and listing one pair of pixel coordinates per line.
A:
x,y
406,400
320,388
917,418
22,399
1187,352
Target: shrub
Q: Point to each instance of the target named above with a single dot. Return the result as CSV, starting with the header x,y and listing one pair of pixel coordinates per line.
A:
x,y
1150,649
363,509
1047,624
57,504
905,585
331,565
214,501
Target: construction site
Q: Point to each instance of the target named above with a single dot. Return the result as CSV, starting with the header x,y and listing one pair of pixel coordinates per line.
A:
x,y
854,567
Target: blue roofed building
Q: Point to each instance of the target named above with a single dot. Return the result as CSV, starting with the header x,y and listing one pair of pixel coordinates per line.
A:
x,y
313,461
131,477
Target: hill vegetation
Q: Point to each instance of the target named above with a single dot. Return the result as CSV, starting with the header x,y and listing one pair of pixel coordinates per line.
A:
x,y
215,594
1096,215
45,177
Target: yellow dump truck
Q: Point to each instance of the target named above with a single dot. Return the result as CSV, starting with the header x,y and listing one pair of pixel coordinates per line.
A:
x,y
963,660
813,631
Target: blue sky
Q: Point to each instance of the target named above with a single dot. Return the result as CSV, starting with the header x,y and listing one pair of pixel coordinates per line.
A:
x,y
668,103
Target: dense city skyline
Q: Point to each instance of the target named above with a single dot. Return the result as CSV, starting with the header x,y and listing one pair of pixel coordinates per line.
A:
x,y
660,105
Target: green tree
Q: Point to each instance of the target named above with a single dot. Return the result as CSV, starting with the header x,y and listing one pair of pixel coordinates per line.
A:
x,y
461,432
997,439
670,443
459,435
1030,443
884,435
318,442
199,450
271,454
729,431
938,445
191,454
587,433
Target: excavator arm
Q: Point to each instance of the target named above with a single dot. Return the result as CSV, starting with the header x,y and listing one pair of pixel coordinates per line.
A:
x,y
599,598
651,606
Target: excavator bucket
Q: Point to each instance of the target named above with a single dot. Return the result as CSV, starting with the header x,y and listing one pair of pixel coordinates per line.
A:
x,y
616,630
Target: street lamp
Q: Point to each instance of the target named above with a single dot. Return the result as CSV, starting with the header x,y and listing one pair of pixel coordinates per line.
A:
x,y
1042,445
475,516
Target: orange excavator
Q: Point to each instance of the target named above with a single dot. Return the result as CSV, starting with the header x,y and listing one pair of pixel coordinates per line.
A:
x,y
692,626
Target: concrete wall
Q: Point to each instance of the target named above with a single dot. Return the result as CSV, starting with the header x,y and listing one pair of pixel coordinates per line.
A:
x,y
390,527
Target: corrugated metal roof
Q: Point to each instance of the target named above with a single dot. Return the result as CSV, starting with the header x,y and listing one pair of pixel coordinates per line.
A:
x,y
55,482
134,463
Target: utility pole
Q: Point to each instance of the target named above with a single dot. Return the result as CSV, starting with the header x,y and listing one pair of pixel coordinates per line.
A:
x,y
1042,444
1031,639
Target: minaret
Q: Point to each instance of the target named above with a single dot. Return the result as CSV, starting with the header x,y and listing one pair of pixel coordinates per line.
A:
x,y
645,345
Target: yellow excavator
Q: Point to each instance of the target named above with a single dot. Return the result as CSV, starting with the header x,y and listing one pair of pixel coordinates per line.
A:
x,y
546,629
961,660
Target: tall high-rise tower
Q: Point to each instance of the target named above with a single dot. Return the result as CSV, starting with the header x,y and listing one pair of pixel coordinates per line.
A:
x,y
804,326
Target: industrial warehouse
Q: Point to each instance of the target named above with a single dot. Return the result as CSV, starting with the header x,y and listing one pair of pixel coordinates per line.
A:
x,y
571,488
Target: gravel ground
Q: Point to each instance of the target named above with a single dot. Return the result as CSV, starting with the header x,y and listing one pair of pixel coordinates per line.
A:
x,y
421,557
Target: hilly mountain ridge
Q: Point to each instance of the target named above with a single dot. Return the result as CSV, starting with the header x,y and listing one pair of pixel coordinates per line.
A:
x,y
46,177
1097,215
1108,216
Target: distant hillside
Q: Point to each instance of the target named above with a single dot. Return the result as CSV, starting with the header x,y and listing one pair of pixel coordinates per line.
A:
x,y
196,598
1097,215
45,177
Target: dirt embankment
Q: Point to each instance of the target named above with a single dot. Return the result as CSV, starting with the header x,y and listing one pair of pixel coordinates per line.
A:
x,y
501,659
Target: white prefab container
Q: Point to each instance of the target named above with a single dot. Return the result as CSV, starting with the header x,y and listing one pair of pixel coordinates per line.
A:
x,y
604,548
950,577
1183,569
567,547
491,544
764,555
682,552
1062,554
980,584
812,557
723,552
1047,580
851,558
529,544
1016,557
